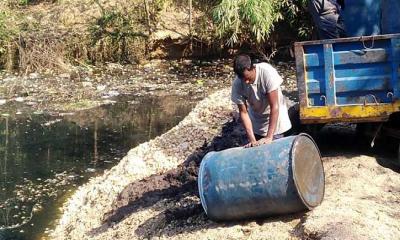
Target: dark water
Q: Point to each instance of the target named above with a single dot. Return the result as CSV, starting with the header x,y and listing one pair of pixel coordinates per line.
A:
x,y
43,158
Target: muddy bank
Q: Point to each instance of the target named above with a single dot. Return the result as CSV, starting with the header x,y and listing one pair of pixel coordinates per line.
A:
x,y
84,212
152,193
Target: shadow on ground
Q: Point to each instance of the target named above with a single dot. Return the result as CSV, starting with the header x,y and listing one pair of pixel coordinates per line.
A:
x,y
343,140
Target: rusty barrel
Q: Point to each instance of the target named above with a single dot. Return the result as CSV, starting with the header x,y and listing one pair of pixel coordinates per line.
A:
x,y
283,177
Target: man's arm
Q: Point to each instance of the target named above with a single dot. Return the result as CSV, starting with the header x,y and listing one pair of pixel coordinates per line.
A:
x,y
273,116
244,117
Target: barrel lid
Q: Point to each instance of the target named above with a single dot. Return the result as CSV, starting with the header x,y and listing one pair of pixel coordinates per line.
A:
x,y
308,171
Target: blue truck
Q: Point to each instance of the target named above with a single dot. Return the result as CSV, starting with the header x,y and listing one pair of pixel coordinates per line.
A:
x,y
355,79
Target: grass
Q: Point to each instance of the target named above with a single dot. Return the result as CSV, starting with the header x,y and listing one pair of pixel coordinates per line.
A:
x,y
37,36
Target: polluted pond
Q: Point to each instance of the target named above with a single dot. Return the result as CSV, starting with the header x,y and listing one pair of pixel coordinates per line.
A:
x,y
44,158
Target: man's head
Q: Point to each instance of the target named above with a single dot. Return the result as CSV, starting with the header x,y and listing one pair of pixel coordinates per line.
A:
x,y
244,68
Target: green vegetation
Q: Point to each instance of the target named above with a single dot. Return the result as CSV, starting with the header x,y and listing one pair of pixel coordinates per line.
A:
x,y
37,35
117,29
14,3
244,19
8,31
253,20
8,28
4,32
295,14
23,2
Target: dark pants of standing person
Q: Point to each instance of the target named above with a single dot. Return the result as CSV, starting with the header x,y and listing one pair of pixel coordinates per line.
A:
x,y
328,18
330,27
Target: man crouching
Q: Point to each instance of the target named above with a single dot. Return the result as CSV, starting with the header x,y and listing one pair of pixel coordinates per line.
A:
x,y
262,107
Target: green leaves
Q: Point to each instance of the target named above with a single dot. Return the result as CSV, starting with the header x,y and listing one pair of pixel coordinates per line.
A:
x,y
23,2
253,20
3,29
6,30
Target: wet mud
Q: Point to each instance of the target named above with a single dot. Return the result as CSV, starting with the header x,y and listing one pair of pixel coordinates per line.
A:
x,y
174,185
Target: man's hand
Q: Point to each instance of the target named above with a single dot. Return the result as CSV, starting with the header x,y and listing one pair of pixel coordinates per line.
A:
x,y
266,140
251,144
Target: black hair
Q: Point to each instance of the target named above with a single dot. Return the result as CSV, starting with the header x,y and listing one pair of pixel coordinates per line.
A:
x,y
241,63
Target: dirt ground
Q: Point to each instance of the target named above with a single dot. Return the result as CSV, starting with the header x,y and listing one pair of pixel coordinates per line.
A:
x,y
152,193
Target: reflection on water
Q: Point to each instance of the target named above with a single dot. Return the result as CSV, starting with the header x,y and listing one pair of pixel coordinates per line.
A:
x,y
43,158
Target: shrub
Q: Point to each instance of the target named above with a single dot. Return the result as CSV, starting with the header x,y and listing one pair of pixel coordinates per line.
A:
x,y
253,20
114,32
6,32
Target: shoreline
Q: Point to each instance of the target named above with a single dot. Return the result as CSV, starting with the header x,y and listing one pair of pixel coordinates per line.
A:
x,y
81,212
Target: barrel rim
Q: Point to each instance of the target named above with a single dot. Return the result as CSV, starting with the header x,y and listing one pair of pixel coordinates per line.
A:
x,y
308,205
200,183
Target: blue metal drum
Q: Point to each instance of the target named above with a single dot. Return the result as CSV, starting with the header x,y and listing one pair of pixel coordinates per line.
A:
x,y
283,177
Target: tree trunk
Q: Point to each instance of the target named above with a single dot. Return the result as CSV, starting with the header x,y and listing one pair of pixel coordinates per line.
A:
x,y
190,26
11,58
147,10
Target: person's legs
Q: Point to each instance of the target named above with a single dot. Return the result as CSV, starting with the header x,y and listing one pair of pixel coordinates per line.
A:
x,y
341,27
328,28
327,16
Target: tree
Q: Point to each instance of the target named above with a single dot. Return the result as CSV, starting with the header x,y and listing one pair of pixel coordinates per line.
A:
x,y
253,20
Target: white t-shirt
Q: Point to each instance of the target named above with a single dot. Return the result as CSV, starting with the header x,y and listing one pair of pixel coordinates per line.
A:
x,y
255,96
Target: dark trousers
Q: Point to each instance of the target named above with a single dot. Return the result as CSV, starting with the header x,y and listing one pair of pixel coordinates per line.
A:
x,y
328,22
